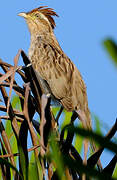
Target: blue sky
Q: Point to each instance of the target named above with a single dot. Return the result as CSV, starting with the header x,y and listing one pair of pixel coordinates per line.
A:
x,y
81,27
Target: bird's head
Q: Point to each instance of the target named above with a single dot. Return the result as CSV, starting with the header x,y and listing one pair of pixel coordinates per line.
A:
x,y
40,20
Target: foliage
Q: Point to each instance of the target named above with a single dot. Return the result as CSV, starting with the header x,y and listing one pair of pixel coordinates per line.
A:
x,y
111,47
56,141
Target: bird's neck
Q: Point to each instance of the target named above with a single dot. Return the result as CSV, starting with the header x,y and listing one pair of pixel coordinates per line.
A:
x,y
38,38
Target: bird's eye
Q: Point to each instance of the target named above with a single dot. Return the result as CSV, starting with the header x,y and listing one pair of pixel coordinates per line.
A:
x,y
37,15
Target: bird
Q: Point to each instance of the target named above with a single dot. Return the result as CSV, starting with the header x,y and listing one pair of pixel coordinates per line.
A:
x,y
57,74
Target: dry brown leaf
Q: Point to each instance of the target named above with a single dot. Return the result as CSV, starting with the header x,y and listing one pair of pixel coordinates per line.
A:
x,y
12,77
34,137
7,75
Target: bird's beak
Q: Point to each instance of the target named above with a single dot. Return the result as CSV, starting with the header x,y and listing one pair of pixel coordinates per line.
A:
x,y
23,14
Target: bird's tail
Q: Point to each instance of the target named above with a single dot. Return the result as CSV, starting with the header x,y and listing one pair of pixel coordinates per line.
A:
x,y
85,118
89,127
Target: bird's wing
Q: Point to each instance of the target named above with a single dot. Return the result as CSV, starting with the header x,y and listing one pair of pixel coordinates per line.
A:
x,y
62,76
56,69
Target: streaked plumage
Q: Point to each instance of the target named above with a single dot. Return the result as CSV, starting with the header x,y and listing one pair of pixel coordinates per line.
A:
x,y
57,73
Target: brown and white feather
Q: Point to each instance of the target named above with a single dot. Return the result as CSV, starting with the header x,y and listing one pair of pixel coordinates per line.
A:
x,y
56,72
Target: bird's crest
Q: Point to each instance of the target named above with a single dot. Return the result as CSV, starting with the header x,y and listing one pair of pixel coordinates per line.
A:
x,y
48,12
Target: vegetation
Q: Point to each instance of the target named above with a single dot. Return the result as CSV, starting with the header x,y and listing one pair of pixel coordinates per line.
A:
x,y
55,142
